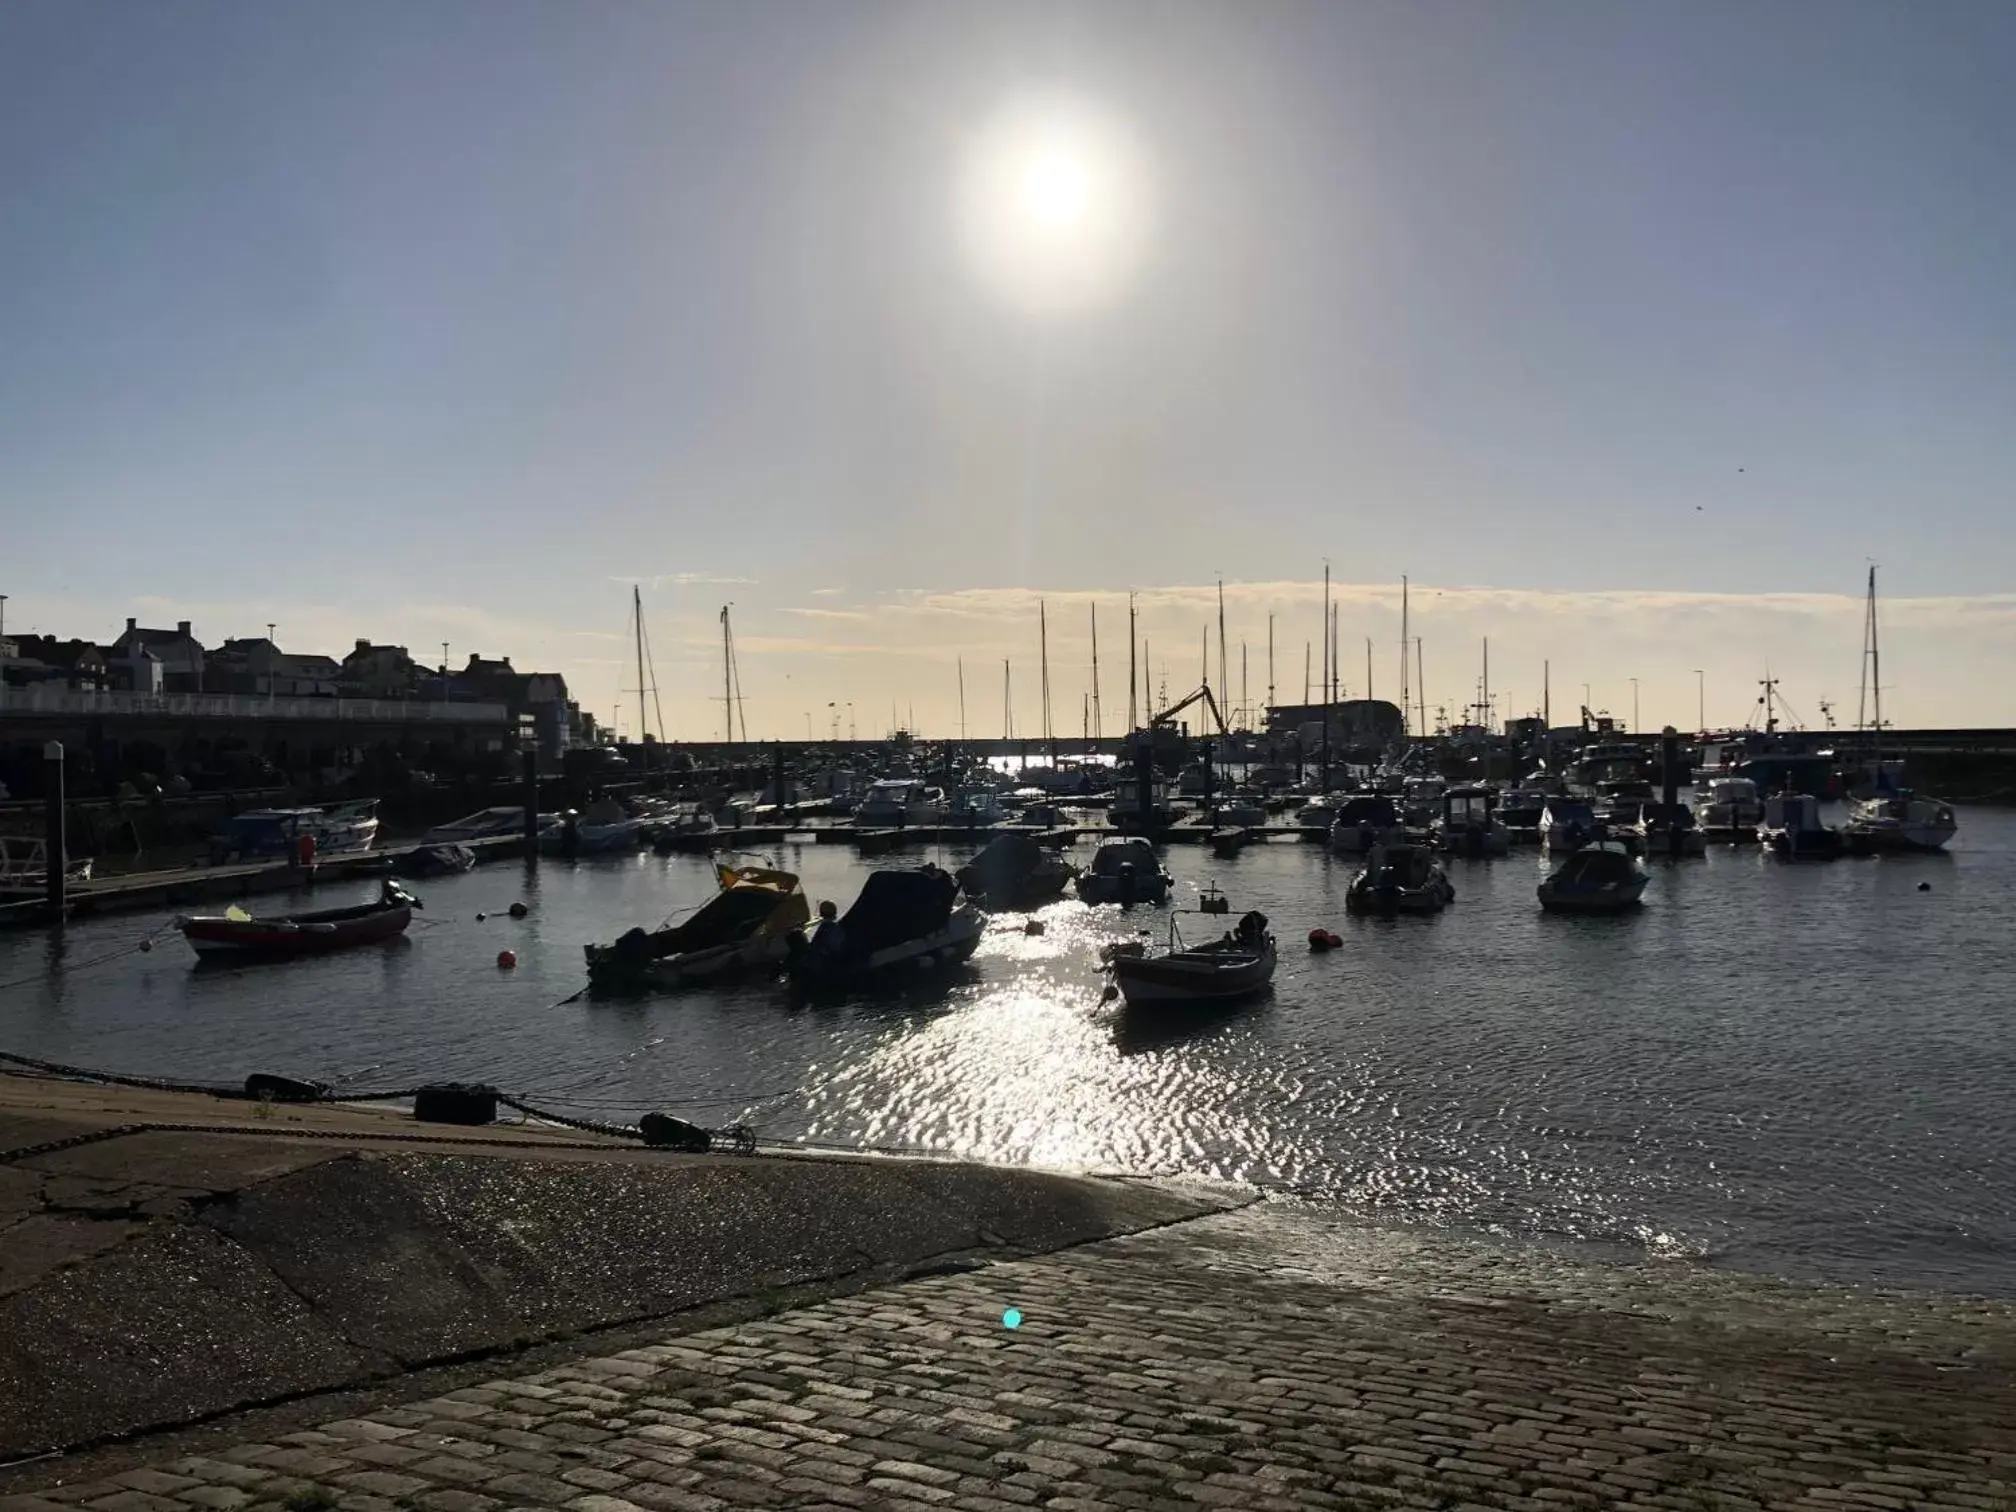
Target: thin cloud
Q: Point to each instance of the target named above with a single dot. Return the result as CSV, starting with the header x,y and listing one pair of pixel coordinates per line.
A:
x,y
686,580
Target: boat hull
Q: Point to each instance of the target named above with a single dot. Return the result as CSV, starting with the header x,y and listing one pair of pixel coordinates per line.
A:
x,y
1593,901
937,951
1193,976
275,939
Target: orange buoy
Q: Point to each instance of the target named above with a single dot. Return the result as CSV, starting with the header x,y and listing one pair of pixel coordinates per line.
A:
x,y
1333,939
1319,938
506,959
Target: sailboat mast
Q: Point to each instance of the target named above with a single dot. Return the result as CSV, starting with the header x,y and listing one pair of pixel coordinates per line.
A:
x,y
727,680
1872,692
637,613
962,700
1246,707
1336,658
1270,668
1546,697
1007,701
1043,669
1368,672
1326,645
1487,685
1406,712
1096,731
1224,679
1420,686
1133,638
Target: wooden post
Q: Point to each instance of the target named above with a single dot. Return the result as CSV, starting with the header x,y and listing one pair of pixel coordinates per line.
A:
x,y
54,853
529,764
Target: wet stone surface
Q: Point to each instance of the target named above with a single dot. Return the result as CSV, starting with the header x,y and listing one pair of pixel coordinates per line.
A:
x,y
1270,1358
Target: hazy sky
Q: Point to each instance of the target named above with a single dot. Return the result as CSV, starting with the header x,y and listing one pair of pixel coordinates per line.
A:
x,y
1632,331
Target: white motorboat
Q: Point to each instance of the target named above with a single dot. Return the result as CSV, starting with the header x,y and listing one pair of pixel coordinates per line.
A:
x,y
1468,827
1729,808
974,806
1321,813
1236,966
1660,830
1399,879
1900,821
1240,810
1524,802
257,834
894,802
485,824
604,830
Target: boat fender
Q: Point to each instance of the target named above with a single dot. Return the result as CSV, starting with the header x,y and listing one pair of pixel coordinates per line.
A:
x,y
1319,938
506,959
1109,994
662,1131
265,1086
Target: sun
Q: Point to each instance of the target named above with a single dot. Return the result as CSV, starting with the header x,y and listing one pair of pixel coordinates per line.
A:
x,y
1053,203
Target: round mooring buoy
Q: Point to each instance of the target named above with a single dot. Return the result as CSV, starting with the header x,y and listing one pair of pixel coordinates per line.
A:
x,y
481,917
519,910
506,959
1924,887
145,946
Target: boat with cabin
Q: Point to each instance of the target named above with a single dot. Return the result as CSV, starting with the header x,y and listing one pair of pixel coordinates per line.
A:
x,y
896,802
1793,831
1400,879
1124,871
906,921
339,829
1013,871
241,935
1671,832
1522,805
1467,825
1729,808
1600,878
1568,824
1902,820
1366,820
741,927
486,824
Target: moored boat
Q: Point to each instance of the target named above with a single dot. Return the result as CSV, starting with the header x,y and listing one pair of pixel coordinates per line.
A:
x,y
1235,966
1013,871
1366,821
1899,821
1791,828
1568,824
1124,871
1467,826
743,925
275,936
904,923
1669,831
1399,879
1729,808
485,824
259,834
1601,877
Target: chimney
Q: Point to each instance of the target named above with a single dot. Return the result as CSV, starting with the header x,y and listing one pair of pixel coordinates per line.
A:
x,y
132,623
182,628
363,644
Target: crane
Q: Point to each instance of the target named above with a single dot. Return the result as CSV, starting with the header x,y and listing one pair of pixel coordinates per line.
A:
x,y
1167,717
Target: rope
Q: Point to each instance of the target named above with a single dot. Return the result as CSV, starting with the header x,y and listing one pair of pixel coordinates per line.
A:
x,y
145,942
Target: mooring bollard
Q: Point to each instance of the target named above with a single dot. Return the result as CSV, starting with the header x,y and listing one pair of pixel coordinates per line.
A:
x,y
54,852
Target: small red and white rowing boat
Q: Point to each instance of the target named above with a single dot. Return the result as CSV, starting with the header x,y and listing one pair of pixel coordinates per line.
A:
x,y
236,933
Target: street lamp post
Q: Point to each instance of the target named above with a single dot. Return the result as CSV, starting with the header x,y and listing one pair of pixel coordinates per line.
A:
x,y
272,662
1634,706
1700,699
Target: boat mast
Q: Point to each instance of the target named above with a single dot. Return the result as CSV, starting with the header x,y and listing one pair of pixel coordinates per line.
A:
x,y
1133,709
1405,715
1872,685
1270,667
727,680
1007,701
1421,686
1323,774
1043,669
1224,679
1546,697
637,613
962,700
1487,685
1097,732
1368,672
1307,686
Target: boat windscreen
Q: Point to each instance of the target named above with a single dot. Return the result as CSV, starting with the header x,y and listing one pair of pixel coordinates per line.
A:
x,y
1592,867
1110,857
730,916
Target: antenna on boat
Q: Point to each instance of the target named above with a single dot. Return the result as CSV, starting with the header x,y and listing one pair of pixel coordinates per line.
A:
x,y
1223,675
1404,714
1133,708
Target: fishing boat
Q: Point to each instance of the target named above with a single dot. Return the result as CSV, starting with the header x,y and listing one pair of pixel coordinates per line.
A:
x,y
1236,966
1729,809
1666,831
1239,810
1366,821
1524,803
1898,821
1013,871
974,805
904,923
1399,879
1467,826
259,834
1568,824
743,925
240,934
1599,878
1791,828
1124,871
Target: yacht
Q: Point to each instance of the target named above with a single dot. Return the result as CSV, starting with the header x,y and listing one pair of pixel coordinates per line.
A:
x,y
1667,830
1899,821
1523,804
896,801
972,805
1567,824
1364,822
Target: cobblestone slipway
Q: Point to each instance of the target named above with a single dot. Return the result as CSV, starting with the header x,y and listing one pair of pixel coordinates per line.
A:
x,y
1271,1358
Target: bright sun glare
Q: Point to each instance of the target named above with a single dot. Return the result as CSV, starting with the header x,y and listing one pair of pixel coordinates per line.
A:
x,y
1053,203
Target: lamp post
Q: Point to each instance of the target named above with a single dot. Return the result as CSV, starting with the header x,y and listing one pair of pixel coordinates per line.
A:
x,y
272,662
1700,699
1634,706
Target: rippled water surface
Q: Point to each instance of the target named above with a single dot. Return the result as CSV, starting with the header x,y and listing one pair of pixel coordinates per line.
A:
x,y
1797,1069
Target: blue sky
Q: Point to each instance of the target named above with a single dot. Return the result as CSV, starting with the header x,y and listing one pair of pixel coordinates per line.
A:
x,y
446,321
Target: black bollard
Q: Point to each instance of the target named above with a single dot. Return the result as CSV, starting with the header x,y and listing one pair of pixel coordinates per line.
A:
x,y
54,852
529,765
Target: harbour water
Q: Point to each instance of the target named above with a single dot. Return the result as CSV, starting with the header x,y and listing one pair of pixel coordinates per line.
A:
x,y
1801,1070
